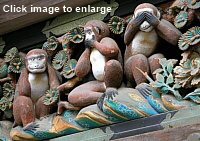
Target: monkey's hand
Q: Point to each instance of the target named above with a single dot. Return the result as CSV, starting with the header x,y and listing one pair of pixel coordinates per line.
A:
x,y
66,105
3,80
89,43
31,127
151,19
137,21
145,89
111,93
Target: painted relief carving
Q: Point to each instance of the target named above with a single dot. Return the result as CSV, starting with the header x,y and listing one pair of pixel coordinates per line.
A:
x,y
185,12
79,80
116,25
141,38
38,77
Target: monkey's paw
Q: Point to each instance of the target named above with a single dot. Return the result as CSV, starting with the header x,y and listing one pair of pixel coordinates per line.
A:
x,y
31,127
64,105
145,89
89,43
111,93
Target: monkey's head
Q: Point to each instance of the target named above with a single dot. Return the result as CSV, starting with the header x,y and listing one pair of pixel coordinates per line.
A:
x,y
96,29
36,61
146,7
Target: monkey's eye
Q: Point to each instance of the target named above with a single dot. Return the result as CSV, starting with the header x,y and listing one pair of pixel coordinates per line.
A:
x,y
31,59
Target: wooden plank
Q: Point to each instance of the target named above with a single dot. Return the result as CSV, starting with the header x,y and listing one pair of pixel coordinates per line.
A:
x,y
184,133
167,122
11,21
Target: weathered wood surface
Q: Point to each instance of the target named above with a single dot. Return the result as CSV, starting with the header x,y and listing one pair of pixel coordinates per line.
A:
x,y
185,133
11,21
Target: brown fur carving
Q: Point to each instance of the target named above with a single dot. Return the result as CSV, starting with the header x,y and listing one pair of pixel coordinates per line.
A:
x,y
102,56
141,38
35,79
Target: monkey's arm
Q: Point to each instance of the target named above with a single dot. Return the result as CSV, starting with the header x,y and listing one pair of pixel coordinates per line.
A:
x,y
132,28
70,84
6,79
168,32
107,47
83,65
53,79
24,87
164,29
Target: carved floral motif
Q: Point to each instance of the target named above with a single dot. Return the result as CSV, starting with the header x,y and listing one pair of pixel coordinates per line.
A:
x,y
116,25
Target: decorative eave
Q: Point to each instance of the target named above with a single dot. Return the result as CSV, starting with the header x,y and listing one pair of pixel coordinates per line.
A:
x,y
32,36
11,21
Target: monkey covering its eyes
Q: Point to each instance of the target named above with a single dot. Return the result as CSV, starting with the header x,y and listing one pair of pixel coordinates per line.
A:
x,y
141,38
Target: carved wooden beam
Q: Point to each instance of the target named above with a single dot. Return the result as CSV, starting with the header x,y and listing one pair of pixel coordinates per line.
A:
x,y
33,36
11,21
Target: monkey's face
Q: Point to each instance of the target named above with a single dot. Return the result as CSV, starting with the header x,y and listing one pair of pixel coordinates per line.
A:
x,y
37,63
91,33
145,26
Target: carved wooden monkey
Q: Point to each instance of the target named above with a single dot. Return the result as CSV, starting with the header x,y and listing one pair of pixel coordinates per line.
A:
x,y
103,57
35,79
141,38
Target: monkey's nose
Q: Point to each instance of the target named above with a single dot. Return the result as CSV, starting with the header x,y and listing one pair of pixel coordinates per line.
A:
x,y
36,66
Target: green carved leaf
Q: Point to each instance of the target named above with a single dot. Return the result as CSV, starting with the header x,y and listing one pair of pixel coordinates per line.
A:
x,y
51,97
160,78
170,65
11,54
176,86
181,19
170,79
116,25
177,95
158,71
190,38
69,69
76,35
59,60
163,62
196,99
4,103
193,4
195,80
196,92
16,65
156,84
51,43
8,91
194,96
3,70
164,78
